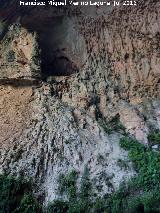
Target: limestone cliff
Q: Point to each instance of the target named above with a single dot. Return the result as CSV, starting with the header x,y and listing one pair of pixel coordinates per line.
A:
x,y
64,74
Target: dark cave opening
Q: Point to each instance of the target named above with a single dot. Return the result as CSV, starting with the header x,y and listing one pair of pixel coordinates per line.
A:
x,y
55,62
55,43
56,59
56,53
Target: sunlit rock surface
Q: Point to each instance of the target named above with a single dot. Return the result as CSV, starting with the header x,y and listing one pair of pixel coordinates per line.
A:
x,y
64,71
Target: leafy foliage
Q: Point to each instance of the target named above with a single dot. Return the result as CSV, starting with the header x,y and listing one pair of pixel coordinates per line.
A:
x,y
78,201
57,207
144,192
16,196
67,184
146,163
154,137
141,194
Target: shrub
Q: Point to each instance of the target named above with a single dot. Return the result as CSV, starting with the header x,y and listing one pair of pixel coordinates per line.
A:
x,y
146,162
29,204
78,201
138,195
146,185
154,137
86,186
67,184
58,206
16,196
141,194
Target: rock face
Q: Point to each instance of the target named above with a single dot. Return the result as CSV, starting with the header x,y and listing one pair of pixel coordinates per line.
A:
x,y
18,53
60,82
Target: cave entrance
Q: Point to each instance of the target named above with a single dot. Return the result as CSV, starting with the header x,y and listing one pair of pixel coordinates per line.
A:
x,y
54,59
58,43
56,55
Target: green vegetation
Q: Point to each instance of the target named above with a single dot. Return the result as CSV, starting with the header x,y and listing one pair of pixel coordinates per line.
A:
x,y
16,196
57,206
140,194
79,201
67,184
144,190
113,125
154,138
